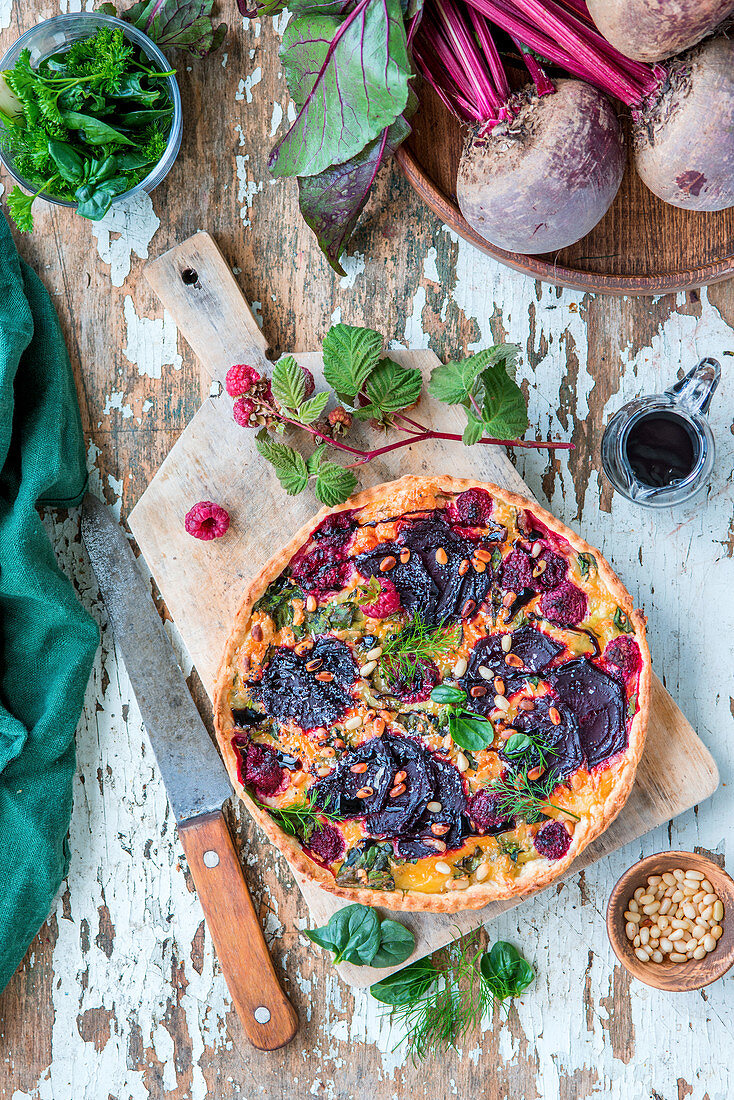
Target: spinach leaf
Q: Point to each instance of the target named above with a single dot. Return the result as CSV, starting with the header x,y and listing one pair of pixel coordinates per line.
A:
x,y
622,622
94,130
505,971
361,66
67,160
277,601
94,202
445,693
334,616
353,934
587,564
471,733
407,984
397,943
130,86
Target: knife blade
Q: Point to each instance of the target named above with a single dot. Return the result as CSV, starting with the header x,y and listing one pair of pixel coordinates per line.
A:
x,y
195,779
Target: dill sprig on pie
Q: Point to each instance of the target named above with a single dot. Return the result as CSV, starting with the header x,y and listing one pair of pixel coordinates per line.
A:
x,y
302,819
518,796
417,642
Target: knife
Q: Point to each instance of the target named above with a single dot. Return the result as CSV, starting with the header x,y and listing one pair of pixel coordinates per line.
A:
x,y
195,778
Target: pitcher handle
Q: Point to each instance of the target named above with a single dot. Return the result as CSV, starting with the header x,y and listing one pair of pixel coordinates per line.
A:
x,y
694,392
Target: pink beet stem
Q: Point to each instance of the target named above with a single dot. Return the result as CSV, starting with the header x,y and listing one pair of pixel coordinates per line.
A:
x,y
543,84
554,32
460,38
491,53
470,81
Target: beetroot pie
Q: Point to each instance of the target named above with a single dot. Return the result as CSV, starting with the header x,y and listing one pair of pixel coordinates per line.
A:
x,y
434,696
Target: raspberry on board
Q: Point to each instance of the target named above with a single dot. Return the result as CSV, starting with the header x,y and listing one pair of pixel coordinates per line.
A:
x,y
242,411
240,379
207,520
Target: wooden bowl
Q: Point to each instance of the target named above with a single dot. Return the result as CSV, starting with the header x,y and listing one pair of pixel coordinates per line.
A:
x,y
641,246
673,977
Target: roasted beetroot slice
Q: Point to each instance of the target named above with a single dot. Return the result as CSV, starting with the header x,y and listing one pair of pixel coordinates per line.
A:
x,y
435,590
565,605
288,690
599,704
448,793
401,812
325,843
517,571
534,648
337,793
323,565
564,753
556,569
552,840
484,815
259,769
623,658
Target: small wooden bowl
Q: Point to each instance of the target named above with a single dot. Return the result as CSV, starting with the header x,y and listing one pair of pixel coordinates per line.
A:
x,y
673,977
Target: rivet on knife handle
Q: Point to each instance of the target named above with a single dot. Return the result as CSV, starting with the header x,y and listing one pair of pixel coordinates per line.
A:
x,y
266,1013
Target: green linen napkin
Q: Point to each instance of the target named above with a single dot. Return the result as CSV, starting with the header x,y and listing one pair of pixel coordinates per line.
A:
x,y
47,640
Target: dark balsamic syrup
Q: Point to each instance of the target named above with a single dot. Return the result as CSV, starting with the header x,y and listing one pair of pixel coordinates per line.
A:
x,y
661,449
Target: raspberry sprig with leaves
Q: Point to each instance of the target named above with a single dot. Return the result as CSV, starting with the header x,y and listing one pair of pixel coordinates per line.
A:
x,y
369,386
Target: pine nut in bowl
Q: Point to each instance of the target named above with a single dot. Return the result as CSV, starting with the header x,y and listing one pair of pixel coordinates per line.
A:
x,y
670,921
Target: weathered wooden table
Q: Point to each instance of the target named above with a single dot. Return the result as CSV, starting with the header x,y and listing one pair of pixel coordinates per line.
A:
x,y
120,996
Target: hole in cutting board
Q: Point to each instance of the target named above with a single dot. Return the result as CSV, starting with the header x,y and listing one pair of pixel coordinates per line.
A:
x,y
190,277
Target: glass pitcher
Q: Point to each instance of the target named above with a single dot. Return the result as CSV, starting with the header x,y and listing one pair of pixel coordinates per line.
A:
x,y
659,450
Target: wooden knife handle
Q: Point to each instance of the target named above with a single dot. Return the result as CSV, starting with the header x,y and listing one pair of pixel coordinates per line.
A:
x,y
266,1013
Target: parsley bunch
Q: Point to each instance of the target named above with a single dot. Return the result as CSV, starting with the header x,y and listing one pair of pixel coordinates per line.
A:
x,y
87,124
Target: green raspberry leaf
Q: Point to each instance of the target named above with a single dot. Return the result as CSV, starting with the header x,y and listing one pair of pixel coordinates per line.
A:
x,y
314,461
391,387
311,410
474,429
334,484
350,353
289,383
452,382
289,465
504,410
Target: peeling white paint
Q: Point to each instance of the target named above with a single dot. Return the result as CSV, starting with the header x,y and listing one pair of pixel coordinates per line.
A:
x,y
126,228
244,89
6,13
115,401
248,187
151,341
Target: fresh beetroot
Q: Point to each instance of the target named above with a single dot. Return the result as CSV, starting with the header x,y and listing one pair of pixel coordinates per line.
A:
x,y
684,140
683,110
540,167
542,180
650,30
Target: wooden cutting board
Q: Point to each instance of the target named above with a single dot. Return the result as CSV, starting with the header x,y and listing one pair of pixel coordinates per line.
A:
x,y
202,582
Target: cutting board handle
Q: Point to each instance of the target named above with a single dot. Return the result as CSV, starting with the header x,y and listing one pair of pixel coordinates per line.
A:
x,y
266,1013
198,289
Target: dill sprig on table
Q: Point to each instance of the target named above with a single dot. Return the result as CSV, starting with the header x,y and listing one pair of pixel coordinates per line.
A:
x,y
437,1004
450,1008
418,641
